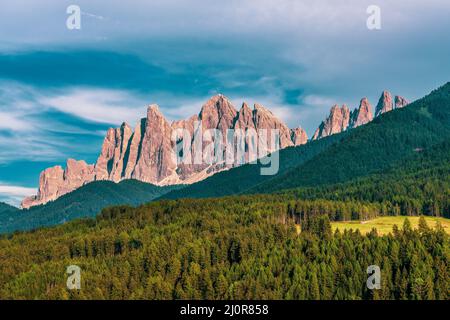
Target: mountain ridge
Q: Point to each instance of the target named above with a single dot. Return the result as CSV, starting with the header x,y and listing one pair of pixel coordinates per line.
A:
x,y
147,152
427,119
392,136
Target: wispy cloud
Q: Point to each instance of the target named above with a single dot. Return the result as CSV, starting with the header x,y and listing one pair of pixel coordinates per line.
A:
x,y
32,131
12,121
98,105
318,101
13,194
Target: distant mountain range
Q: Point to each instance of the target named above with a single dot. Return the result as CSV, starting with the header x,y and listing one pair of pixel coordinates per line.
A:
x,y
146,154
365,150
387,144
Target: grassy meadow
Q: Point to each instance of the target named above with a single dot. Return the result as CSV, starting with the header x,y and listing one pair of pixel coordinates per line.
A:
x,y
384,224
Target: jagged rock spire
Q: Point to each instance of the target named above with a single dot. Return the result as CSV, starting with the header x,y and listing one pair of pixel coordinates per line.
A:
x,y
385,103
361,115
400,102
299,136
336,122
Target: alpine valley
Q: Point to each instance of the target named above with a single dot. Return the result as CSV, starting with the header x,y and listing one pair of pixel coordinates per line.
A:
x,y
141,226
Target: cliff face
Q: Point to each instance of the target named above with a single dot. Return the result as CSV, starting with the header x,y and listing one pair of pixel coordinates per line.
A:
x,y
336,122
299,136
56,181
155,161
148,153
400,102
385,103
110,163
361,115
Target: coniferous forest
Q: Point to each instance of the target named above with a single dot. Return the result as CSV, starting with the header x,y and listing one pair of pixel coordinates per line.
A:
x,y
247,247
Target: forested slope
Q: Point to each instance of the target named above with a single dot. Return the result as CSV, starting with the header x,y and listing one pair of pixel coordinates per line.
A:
x,y
86,201
227,248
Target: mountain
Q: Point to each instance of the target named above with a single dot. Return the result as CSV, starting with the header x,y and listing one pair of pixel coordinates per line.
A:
x,y
337,121
6,210
400,102
259,246
148,153
89,199
375,146
86,201
362,115
341,119
367,149
415,185
241,179
385,103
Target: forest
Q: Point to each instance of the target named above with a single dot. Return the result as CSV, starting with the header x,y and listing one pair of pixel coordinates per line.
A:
x,y
245,247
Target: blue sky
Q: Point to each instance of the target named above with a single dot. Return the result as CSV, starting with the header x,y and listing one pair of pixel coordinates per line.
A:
x,y
61,89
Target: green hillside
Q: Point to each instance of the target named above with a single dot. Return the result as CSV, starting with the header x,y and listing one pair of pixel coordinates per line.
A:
x,y
4,207
83,202
376,146
278,244
6,211
416,185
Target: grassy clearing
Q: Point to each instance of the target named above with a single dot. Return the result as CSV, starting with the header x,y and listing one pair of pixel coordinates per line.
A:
x,y
384,224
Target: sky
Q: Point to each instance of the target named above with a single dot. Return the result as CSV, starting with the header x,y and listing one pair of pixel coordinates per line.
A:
x,y
61,89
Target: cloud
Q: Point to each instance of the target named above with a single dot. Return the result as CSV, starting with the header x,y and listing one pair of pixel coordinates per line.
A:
x,y
30,147
32,131
167,18
98,105
11,121
13,194
318,101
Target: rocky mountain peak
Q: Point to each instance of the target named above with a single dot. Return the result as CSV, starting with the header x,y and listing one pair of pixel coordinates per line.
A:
x,y
337,121
385,103
146,153
361,115
400,102
245,109
154,114
263,118
299,136
218,113
56,181
244,118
